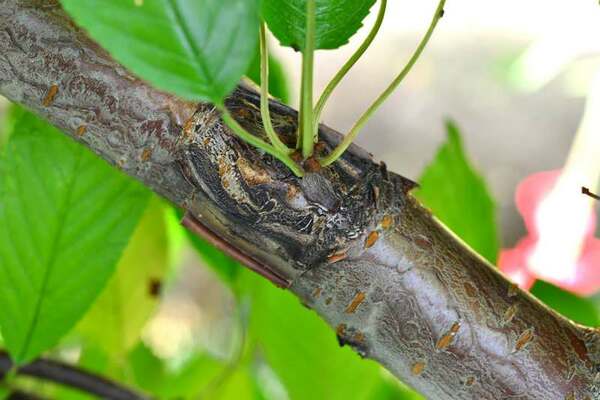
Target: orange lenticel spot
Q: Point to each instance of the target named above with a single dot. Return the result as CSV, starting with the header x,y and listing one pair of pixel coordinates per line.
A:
x,y
146,154
371,239
356,301
448,337
418,368
387,222
81,130
523,340
50,95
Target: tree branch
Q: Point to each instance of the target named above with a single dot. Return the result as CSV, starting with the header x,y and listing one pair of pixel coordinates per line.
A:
x,y
64,374
20,395
353,242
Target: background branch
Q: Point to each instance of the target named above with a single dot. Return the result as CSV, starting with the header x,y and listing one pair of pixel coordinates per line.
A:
x,y
67,375
355,245
20,395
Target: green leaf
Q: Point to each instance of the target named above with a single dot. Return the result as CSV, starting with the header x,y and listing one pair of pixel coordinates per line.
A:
x,y
198,49
579,309
301,348
336,21
239,385
116,319
66,216
457,195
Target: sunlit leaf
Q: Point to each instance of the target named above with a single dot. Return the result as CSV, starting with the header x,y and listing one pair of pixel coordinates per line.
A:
x,y
66,216
336,21
7,121
116,319
198,49
239,385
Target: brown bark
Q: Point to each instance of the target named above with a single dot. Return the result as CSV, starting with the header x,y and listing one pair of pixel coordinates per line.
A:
x,y
356,247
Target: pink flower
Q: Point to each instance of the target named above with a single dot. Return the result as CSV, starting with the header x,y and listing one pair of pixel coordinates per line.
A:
x,y
563,223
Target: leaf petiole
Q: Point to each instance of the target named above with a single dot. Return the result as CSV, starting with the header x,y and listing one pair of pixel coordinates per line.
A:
x,y
264,93
306,90
346,67
258,142
349,138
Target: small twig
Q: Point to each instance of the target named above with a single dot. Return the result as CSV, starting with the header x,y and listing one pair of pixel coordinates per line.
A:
x,y
586,191
197,227
67,375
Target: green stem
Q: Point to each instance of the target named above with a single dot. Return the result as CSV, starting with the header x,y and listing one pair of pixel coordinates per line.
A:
x,y
349,138
306,91
264,93
259,143
346,67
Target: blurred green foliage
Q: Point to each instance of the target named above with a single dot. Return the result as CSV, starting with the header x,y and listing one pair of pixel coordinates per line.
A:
x,y
153,375
118,316
7,122
226,267
278,86
457,195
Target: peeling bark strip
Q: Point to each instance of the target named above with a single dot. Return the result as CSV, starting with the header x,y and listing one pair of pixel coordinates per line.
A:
x,y
433,313
199,229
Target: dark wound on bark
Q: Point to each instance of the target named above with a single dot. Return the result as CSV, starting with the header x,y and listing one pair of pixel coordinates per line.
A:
x,y
432,312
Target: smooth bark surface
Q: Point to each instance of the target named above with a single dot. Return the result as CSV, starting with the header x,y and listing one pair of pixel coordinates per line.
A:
x,y
353,243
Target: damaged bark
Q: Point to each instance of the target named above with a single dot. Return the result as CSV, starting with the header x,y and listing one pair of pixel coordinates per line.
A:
x,y
349,240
